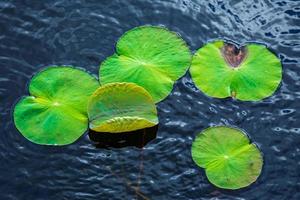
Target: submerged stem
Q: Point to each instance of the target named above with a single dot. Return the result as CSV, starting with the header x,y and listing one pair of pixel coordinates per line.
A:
x,y
128,184
142,160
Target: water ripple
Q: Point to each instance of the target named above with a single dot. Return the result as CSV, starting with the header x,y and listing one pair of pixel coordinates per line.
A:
x,y
83,33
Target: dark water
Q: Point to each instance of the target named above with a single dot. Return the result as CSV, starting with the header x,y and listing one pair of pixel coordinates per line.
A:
x,y
34,34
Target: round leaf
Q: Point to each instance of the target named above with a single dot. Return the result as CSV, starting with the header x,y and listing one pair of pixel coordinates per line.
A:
x,y
55,113
230,161
149,56
250,73
121,107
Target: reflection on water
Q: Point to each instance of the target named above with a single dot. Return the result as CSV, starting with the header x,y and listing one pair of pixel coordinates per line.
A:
x,y
83,33
138,138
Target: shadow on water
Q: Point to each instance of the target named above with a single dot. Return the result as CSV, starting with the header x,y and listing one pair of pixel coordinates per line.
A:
x,y
138,138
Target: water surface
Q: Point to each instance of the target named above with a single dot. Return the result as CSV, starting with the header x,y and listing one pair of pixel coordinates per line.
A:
x,y
35,34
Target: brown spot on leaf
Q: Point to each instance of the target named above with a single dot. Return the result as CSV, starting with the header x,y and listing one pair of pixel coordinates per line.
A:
x,y
233,55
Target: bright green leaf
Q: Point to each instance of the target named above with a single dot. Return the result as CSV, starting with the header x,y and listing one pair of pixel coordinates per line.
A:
x,y
55,113
229,159
250,73
149,56
121,107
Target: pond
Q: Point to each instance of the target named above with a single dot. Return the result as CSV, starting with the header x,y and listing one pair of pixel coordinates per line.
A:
x,y
82,33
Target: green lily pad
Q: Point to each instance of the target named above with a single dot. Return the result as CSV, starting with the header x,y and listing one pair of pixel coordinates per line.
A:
x,y
121,107
149,56
55,113
229,159
249,73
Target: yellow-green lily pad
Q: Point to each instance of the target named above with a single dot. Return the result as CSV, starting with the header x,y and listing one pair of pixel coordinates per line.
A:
x,y
55,113
149,56
248,73
229,159
121,107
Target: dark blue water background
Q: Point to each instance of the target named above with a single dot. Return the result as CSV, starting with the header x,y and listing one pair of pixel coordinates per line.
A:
x,y
35,34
